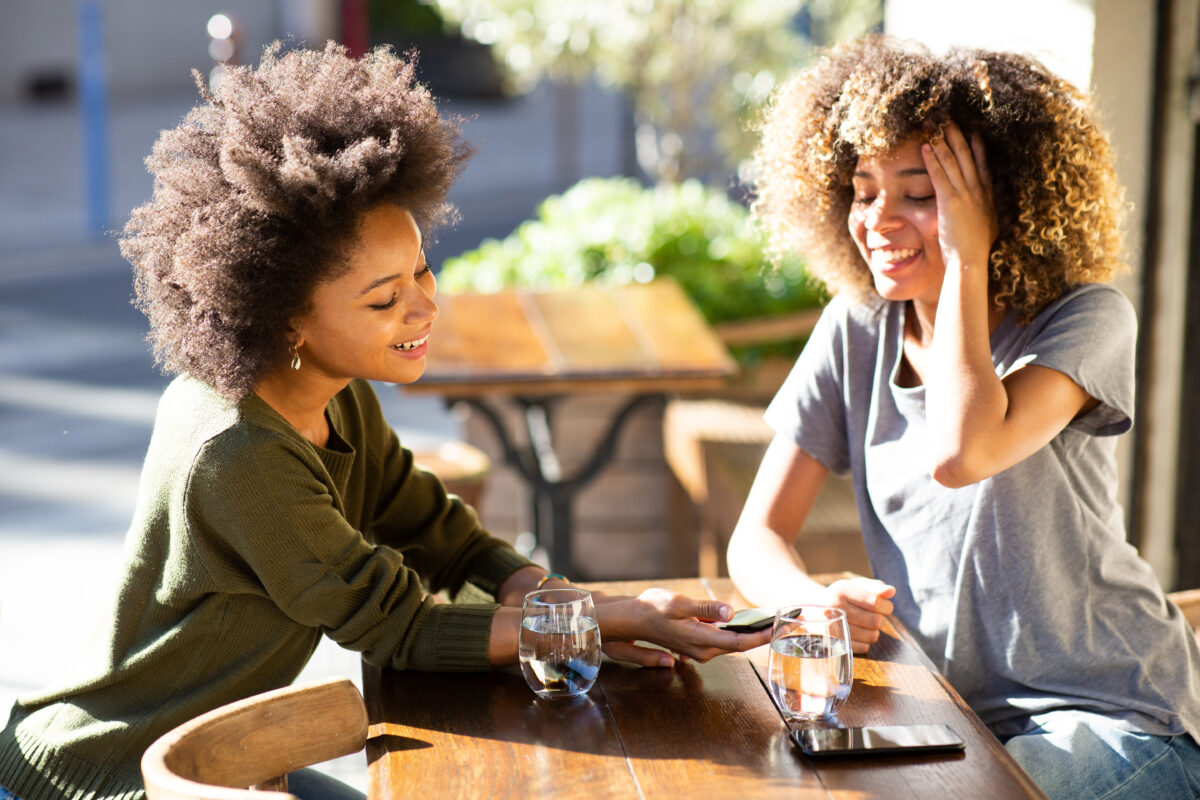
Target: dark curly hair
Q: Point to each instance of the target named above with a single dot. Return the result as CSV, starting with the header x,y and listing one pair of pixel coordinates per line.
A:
x,y
260,188
1056,193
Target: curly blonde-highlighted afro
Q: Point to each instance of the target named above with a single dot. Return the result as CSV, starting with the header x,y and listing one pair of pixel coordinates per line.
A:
x,y
258,192
1056,194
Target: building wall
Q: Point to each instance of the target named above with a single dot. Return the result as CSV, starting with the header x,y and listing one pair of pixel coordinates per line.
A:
x,y
151,46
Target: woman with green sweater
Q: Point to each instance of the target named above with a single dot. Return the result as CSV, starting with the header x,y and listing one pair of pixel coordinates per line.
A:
x,y
281,265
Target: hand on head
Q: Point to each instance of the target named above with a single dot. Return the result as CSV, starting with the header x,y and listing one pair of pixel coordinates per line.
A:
x,y
967,222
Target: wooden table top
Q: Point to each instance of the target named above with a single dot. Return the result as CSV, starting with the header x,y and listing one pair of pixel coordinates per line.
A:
x,y
636,338
698,730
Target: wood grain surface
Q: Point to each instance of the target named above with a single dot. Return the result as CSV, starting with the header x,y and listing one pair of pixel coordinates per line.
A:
x,y
706,730
639,338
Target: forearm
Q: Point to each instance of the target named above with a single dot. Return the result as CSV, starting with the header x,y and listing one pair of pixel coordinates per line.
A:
x,y
966,402
521,582
767,569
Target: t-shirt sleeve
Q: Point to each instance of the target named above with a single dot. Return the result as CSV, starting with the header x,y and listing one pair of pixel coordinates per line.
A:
x,y
810,408
262,522
1089,336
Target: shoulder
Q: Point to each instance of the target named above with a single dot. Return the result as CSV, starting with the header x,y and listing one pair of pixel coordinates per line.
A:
x,y
1096,303
844,315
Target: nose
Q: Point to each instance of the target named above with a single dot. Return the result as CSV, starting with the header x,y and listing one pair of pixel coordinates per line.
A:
x,y
881,216
421,309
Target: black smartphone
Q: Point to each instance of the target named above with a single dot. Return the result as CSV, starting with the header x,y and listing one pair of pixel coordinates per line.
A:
x,y
748,620
876,739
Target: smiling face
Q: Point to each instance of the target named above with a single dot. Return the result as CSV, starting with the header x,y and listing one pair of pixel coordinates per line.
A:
x,y
894,223
373,320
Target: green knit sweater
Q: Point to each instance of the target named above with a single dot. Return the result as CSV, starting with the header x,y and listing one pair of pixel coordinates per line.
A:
x,y
247,544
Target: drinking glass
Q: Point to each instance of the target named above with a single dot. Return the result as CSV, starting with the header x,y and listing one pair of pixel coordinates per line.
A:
x,y
811,664
559,644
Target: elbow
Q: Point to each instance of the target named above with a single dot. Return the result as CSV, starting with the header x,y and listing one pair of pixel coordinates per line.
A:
x,y
954,471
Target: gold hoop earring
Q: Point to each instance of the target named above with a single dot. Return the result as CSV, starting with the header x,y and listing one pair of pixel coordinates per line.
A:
x,y
295,358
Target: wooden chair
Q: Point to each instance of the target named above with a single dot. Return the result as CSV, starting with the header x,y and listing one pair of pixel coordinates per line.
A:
x,y
1189,603
255,743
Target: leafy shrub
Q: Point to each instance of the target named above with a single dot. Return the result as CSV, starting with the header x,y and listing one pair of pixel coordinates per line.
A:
x,y
614,231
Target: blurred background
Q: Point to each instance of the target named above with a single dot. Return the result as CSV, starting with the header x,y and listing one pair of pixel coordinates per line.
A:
x,y
635,109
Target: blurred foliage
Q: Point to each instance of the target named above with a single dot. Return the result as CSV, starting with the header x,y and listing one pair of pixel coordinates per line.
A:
x,y
412,17
694,69
615,231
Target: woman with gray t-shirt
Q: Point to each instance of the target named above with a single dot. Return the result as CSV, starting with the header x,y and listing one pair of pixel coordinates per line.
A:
x,y
971,375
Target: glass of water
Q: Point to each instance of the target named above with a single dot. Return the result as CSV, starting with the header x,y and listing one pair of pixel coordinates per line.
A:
x,y
559,644
811,664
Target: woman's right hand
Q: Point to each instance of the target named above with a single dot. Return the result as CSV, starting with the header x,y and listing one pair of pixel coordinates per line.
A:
x,y
866,602
673,621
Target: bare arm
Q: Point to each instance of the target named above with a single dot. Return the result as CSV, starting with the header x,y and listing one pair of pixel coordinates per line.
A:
x,y
979,425
763,561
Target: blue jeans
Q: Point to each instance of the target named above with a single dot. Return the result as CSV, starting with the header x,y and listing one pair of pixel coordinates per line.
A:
x,y
1074,755
311,784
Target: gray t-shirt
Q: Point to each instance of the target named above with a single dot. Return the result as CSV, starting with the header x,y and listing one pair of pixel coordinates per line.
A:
x,y
1021,588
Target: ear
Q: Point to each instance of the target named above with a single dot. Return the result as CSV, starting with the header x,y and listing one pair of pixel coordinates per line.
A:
x,y
295,334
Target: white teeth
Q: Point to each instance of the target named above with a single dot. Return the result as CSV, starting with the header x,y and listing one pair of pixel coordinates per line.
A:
x,y
413,345
895,255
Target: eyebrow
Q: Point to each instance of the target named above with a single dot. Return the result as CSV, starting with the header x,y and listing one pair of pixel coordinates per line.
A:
x,y
904,173
389,278
380,282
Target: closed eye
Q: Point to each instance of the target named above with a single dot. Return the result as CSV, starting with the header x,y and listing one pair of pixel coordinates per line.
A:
x,y
428,269
384,306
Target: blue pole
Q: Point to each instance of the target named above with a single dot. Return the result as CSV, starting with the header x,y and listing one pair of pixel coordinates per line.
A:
x,y
93,107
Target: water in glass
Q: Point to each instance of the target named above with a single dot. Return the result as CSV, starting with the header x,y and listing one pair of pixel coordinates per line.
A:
x,y
559,644
810,666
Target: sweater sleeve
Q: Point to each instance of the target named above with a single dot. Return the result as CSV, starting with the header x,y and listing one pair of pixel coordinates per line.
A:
x,y
445,542
439,535
266,517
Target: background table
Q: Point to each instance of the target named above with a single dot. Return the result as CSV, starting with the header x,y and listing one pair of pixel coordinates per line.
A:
x,y
644,340
698,730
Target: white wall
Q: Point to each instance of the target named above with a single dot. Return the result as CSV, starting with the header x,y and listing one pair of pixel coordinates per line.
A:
x,y
1057,32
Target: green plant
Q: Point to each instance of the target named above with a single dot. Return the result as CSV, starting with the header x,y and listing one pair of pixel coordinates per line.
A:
x,y
615,231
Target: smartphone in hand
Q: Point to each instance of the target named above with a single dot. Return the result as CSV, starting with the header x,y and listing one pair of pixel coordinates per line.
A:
x,y
749,620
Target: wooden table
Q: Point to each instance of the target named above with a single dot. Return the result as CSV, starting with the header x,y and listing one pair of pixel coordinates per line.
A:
x,y
695,731
644,340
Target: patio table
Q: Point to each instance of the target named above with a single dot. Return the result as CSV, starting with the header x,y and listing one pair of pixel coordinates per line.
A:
x,y
531,348
696,730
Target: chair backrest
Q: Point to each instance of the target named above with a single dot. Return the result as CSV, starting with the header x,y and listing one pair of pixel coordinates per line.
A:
x,y
255,743
1189,603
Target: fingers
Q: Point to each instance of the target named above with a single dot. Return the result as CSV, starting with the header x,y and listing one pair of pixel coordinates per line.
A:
x,y
980,157
680,606
637,654
955,158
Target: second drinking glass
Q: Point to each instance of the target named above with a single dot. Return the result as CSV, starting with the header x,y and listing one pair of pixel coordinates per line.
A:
x,y
810,665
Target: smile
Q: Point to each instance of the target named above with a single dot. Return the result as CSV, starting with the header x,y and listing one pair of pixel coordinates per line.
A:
x,y
895,256
413,345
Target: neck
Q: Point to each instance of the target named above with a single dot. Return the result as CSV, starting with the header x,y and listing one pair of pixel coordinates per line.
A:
x,y
301,400
924,315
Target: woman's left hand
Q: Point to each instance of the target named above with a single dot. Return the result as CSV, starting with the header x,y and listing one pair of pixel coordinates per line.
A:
x,y
967,223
